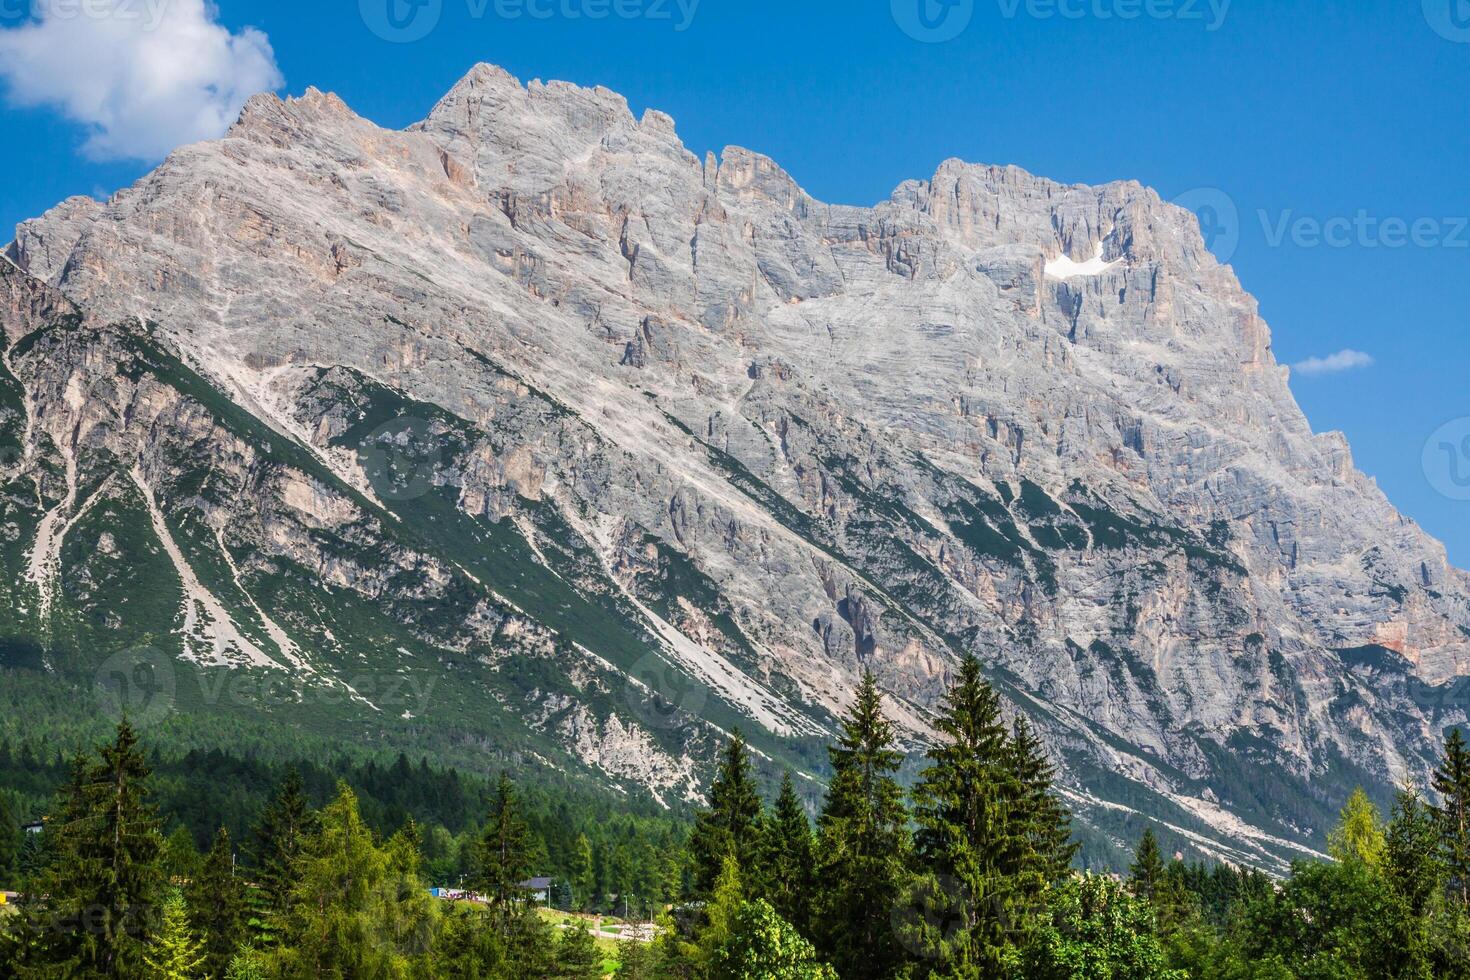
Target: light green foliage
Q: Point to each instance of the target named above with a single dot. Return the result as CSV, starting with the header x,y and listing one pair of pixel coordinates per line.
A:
x,y
1096,931
1358,835
764,946
175,953
357,908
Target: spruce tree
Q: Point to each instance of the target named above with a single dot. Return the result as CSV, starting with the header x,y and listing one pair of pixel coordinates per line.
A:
x,y
732,824
1146,873
217,898
175,952
1048,824
283,826
577,957
506,853
1412,860
863,846
99,896
789,858
973,837
1452,783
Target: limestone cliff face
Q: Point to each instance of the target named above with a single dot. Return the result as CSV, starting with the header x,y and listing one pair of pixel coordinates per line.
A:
x,y
789,441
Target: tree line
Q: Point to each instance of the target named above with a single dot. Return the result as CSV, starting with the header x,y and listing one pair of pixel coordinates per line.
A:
x,y
969,873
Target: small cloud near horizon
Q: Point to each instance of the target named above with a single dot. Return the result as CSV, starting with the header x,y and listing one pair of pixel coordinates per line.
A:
x,y
1344,360
143,78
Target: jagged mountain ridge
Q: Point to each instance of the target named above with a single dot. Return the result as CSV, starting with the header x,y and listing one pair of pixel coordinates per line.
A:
x,y
779,441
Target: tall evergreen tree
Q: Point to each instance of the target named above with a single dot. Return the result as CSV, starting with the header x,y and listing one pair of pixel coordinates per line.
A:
x,y
864,844
283,826
1412,860
93,906
1146,873
506,853
217,900
974,836
732,824
789,858
1452,783
1048,824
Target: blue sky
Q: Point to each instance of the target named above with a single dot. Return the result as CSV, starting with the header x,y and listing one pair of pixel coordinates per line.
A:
x,y
1340,137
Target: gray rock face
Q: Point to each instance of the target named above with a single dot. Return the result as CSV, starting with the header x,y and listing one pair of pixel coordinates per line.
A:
x,y
994,413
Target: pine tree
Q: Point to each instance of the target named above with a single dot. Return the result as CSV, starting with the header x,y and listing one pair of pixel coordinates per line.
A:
x,y
789,858
732,824
175,952
283,826
506,853
217,897
1146,873
1452,783
863,844
973,837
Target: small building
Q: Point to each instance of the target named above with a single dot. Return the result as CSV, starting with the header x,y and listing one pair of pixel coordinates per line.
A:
x,y
34,827
539,889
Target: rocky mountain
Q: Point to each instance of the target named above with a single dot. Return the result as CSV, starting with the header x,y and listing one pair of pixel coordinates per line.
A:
x,y
604,449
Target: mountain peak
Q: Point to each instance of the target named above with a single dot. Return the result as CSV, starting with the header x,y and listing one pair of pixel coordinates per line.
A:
x,y
675,414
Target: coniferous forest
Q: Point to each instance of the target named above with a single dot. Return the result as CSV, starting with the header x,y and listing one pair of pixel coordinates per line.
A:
x,y
210,866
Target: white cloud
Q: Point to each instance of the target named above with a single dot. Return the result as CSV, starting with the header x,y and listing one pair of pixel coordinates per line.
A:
x,y
144,76
1343,360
